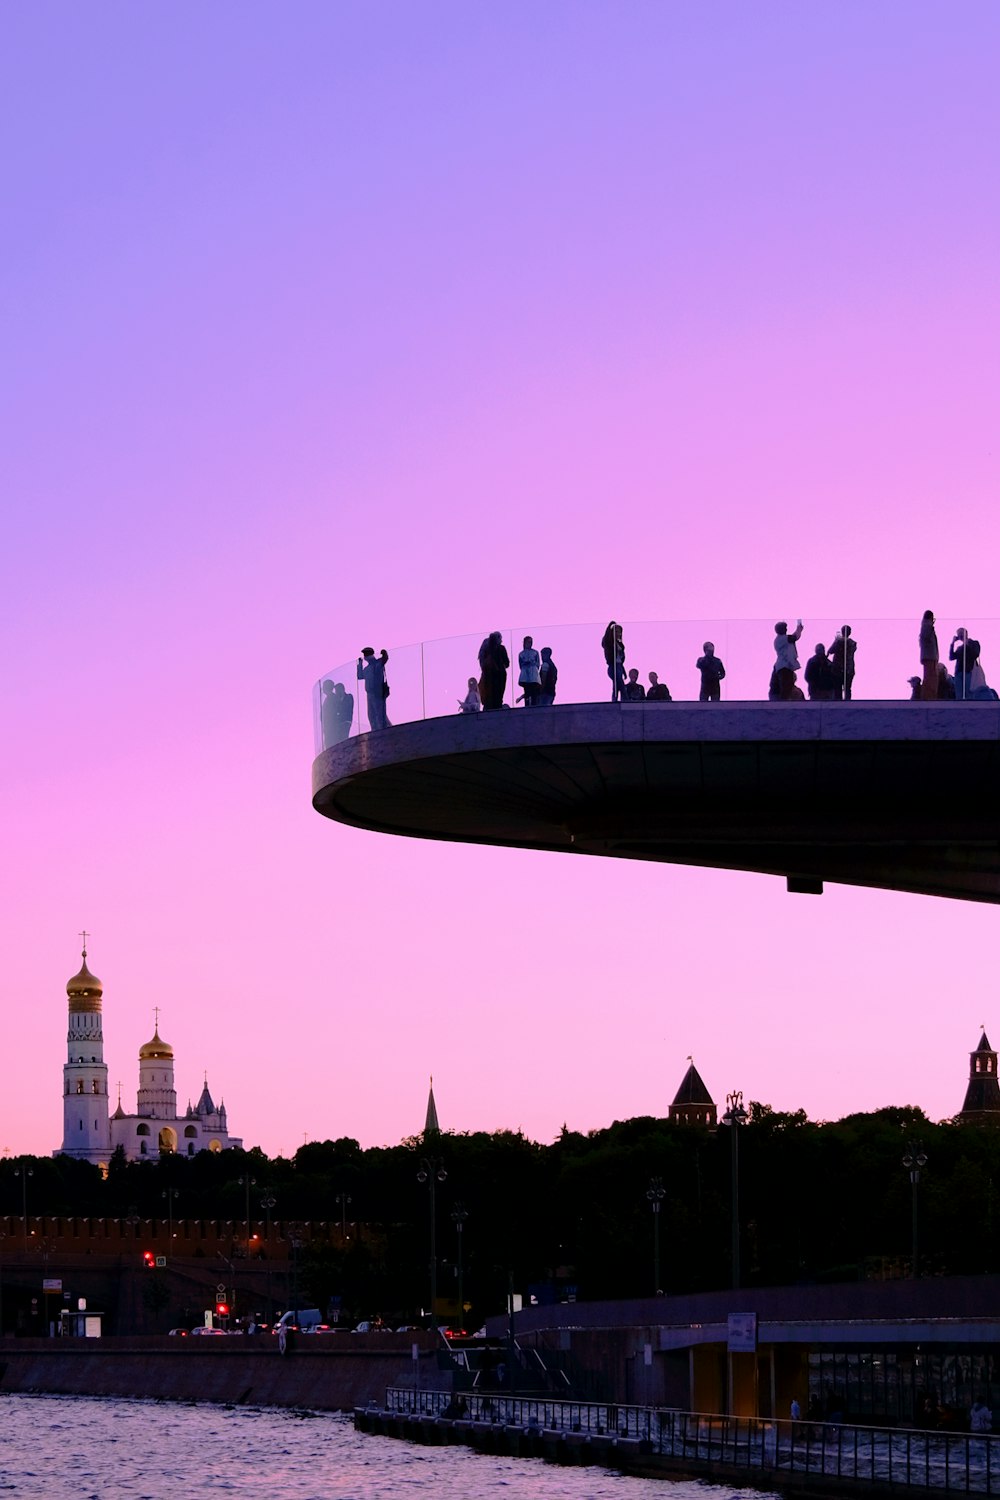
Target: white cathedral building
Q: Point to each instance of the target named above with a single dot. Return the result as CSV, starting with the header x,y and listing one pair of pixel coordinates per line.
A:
x,y
90,1131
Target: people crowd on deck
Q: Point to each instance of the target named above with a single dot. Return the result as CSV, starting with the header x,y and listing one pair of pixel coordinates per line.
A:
x,y
828,675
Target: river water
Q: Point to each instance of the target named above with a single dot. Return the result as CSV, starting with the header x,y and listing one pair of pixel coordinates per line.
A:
x,y
79,1448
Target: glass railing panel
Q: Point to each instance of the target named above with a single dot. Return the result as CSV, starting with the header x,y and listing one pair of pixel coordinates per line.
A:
x,y
334,707
576,653
405,702
452,672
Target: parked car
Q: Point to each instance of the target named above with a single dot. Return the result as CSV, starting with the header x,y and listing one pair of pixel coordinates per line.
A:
x,y
180,1333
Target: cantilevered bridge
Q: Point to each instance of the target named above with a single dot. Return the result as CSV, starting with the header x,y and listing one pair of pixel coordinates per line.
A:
x,y
896,795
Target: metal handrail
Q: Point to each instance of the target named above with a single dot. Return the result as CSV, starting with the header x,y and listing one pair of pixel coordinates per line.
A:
x,y
953,1462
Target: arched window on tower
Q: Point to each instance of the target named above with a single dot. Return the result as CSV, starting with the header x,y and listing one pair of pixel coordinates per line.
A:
x,y
79,1085
979,1065
96,1087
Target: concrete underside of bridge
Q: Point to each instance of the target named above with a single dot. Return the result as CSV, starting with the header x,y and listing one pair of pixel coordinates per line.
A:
x,y
900,796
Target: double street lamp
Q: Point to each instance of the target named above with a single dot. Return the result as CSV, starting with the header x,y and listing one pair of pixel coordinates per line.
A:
x,y
655,1194
914,1159
432,1172
734,1117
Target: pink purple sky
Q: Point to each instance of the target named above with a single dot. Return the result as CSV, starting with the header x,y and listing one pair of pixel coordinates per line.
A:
x,y
336,324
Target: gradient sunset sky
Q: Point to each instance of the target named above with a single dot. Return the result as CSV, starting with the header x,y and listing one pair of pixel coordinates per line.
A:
x,y
336,324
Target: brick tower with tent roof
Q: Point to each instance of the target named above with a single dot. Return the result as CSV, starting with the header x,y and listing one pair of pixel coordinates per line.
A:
x,y
982,1097
693,1104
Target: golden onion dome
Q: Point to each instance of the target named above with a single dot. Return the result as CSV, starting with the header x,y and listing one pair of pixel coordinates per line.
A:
x,y
155,1050
84,989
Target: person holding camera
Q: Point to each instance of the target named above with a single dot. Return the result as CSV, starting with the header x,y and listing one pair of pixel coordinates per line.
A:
x,y
786,659
371,671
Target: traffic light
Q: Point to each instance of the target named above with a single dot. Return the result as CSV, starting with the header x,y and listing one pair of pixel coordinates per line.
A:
x,y
222,1309
148,1259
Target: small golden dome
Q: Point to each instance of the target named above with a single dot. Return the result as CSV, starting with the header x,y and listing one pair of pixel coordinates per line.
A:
x,y
84,989
156,1049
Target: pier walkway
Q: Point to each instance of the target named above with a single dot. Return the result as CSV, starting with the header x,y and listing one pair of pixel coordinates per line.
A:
x,y
800,1457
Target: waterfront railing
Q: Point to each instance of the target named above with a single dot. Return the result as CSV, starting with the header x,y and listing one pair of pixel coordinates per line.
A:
x,y
428,680
962,1462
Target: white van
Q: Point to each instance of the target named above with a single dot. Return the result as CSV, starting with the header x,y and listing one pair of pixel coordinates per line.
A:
x,y
305,1319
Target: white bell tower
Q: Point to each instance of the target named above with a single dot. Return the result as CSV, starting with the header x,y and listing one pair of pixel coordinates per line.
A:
x,y
86,1127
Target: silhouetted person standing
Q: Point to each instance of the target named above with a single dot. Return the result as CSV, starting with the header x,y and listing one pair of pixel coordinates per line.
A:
x,y
529,673
338,713
712,672
548,676
614,654
493,664
820,677
929,656
842,657
964,652
371,671
786,659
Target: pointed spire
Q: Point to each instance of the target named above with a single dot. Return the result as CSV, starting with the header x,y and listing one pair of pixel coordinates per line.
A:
x,y
982,1097
693,1104
431,1126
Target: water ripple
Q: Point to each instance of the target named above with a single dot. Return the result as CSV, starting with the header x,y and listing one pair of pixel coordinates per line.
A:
x,y
102,1449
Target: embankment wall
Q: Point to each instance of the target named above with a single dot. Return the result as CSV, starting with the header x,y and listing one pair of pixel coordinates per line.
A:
x,y
335,1373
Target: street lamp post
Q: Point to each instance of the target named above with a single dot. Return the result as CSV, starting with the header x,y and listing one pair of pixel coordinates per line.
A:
x,y
914,1159
656,1193
432,1172
342,1200
296,1239
24,1173
171,1194
247,1183
267,1203
458,1218
734,1117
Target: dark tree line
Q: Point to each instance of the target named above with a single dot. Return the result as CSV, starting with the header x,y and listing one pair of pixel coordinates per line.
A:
x,y
817,1202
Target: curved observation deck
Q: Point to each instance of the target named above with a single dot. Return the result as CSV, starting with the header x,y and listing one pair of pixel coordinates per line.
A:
x,y
895,795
